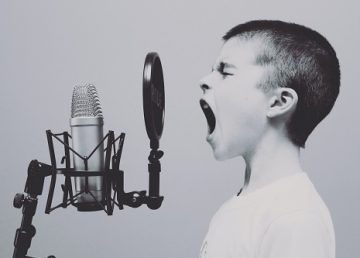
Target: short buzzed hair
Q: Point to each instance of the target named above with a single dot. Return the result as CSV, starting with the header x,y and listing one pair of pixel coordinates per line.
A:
x,y
298,58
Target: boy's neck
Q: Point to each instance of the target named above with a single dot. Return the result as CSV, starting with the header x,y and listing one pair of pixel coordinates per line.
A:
x,y
274,158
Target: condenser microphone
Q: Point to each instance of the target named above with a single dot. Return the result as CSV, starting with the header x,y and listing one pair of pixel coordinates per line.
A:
x,y
87,134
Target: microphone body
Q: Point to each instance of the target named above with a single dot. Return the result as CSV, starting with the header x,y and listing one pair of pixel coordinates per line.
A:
x,y
87,132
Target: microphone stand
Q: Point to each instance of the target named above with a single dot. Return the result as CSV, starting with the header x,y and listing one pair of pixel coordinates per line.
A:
x,y
37,172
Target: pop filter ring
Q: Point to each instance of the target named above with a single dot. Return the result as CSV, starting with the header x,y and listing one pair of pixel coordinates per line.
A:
x,y
153,98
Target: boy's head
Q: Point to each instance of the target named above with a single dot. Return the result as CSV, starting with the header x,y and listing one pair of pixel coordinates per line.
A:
x,y
294,71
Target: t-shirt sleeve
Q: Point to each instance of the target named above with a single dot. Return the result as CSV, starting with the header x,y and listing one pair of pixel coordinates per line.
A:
x,y
296,235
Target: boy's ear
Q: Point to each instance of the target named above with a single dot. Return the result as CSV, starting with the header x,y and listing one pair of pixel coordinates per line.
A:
x,y
282,102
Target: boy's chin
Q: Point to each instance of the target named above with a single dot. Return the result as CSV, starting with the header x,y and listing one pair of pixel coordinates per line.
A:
x,y
222,154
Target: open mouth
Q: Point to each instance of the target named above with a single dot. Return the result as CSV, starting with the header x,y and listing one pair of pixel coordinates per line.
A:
x,y
209,114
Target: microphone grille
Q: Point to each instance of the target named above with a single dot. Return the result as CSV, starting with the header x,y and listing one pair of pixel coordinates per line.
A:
x,y
85,102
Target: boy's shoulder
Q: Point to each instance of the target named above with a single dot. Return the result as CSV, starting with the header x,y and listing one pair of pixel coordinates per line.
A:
x,y
296,215
294,197
291,194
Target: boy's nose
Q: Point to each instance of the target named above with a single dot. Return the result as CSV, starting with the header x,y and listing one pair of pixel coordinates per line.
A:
x,y
207,82
204,87
204,83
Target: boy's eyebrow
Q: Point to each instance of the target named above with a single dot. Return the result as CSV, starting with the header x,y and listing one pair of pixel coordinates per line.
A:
x,y
228,65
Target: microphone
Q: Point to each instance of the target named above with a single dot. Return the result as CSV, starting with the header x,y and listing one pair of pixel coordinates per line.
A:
x,y
87,134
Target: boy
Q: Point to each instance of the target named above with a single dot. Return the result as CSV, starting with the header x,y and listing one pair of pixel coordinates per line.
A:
x,y
271,85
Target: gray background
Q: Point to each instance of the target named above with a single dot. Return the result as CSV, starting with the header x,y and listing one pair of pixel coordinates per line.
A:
x,y
47,47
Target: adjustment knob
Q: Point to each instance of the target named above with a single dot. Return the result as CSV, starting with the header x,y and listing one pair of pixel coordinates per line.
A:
x,y
32,231
18,200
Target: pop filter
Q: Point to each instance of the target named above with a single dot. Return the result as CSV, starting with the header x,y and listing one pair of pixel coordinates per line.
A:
x,y
153,98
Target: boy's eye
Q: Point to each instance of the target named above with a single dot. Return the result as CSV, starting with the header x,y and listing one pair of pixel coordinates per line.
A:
x,y
225,74
221,69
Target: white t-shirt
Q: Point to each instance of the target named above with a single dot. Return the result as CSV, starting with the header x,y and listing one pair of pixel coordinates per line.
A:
x,y
285,219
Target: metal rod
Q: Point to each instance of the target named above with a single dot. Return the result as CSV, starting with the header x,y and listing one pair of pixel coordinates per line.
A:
x,y
107,178
53,175
101,142
74,151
